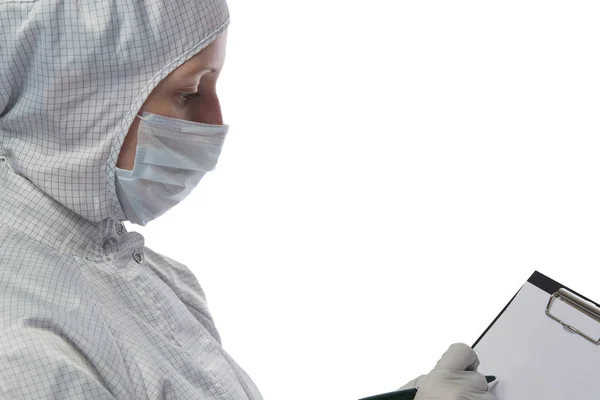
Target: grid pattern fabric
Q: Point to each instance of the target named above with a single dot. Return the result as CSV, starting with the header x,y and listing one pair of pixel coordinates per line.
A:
x,y
73,75
86,310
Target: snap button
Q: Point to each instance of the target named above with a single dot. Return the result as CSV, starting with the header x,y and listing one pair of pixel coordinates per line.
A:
x,y
137,257
120,228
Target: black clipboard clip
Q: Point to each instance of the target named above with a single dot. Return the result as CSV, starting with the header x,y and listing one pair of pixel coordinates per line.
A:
x,y
581,305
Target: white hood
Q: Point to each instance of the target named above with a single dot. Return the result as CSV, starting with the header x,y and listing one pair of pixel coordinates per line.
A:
x,y
73,75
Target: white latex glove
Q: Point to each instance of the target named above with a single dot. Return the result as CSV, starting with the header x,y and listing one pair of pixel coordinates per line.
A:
x,y
454,377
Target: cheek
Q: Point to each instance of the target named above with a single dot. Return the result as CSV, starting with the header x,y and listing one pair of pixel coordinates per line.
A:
x,y
127,154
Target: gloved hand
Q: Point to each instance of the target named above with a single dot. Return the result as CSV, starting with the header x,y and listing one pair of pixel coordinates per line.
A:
x,y
454,377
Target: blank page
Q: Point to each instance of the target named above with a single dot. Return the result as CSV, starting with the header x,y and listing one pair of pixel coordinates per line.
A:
x,y
535,357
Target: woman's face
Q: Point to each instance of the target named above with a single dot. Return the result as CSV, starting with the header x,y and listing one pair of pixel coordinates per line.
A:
x,y
172,97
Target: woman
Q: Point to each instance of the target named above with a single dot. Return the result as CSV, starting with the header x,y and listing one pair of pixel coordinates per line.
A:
x,y
109,113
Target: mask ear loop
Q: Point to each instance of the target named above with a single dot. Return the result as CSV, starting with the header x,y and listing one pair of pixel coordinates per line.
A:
x,y
144,118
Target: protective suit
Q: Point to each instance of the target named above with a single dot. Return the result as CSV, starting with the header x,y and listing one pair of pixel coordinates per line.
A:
x,y
86,310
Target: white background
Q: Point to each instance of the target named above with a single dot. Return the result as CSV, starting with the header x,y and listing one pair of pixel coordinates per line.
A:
x,y
394,172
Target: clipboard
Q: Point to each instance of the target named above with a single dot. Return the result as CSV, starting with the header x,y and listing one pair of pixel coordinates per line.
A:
x,y
545,344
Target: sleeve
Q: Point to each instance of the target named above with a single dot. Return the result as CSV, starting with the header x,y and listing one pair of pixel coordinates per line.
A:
x,y
40,364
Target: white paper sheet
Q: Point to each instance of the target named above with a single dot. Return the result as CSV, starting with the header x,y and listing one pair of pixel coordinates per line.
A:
x,y
535,357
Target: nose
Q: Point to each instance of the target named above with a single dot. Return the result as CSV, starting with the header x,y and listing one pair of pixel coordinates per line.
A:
x,y
209,112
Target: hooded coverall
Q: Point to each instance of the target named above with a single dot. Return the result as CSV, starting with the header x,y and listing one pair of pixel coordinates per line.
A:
x,y
86,310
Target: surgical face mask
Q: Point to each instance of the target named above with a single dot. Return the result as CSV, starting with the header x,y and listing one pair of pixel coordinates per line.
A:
x,y
171,158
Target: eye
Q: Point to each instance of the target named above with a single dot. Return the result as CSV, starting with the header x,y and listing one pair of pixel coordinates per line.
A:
x,y
186,96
